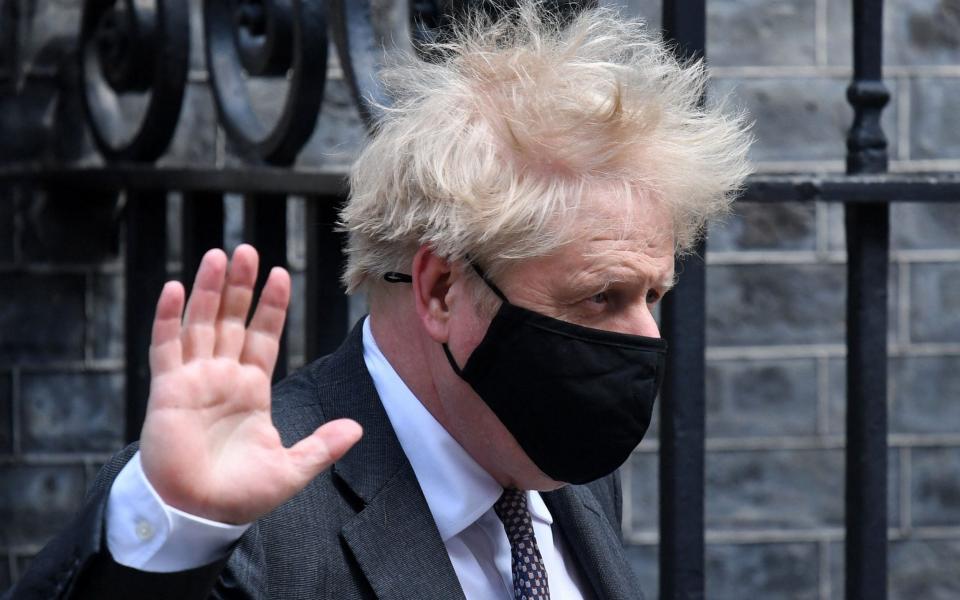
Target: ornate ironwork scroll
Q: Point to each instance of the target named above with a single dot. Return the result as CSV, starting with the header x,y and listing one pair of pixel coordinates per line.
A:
x,y
366,30
276,39
134,58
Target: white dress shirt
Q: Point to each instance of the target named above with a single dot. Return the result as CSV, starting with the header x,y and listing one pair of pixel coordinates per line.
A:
x,y
145,533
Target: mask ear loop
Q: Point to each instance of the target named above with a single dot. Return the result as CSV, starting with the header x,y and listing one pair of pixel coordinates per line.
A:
x,y
395,277
493,287
487,281
453,363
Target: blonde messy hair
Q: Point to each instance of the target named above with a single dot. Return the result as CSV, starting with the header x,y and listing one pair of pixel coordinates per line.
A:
x,y
489,148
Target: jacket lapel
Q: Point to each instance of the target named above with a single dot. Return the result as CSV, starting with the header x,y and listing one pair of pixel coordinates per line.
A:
x,y
396,543
594,542
393,536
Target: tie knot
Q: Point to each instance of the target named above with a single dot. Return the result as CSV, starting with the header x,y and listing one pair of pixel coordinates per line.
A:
x,y
512,510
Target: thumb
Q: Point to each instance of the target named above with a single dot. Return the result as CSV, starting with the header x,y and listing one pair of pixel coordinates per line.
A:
x,y
322,448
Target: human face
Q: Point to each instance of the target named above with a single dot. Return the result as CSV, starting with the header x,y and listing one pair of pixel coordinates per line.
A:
x,y
609,279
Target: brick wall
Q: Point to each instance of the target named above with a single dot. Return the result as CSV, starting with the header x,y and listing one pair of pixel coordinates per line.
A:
x,y
775,308
776,285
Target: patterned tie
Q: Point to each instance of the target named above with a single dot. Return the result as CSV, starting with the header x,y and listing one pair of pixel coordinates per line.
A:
x,y
529,574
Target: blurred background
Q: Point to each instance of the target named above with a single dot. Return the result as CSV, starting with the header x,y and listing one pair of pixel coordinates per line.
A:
x,y
775,303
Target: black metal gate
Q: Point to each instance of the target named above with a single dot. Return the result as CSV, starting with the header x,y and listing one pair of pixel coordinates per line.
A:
x,y
265,39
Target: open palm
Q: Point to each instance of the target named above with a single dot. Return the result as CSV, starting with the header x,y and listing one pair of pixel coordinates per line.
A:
x,y
208,444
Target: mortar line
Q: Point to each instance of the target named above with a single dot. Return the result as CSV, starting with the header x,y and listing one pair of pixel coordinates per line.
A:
x,y
906,476
773,167
763,536
812,441
795,536
822,215
825,583
903,117
15,382
22,549
13,567
941,255
837,350
785,351
18,225
43,459
219,147
200,76
820,33
173,268
836,167
890,385
106,268
103,365
775,257
90,471
823,395
829,71
926,349
927,164
88,317
935,533
903,291
924,440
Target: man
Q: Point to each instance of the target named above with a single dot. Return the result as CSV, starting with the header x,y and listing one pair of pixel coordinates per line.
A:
x,y
514,220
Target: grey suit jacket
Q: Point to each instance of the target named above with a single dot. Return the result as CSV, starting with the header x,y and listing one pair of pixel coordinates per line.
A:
x,y
362,529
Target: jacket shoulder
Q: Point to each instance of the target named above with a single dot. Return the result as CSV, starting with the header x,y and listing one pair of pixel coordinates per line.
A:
x,y
609,494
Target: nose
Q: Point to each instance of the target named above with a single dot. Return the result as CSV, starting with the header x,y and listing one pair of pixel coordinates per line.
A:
x,y
642,322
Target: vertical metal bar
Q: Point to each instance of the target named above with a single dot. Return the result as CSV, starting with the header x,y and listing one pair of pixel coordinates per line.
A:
x,y
327,304
685,22
868,242
265,227
868,228
682,431
201,230
682,401
146,270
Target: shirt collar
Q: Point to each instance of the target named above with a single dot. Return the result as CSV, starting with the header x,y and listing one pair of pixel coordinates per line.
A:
x,y
538,508
457,489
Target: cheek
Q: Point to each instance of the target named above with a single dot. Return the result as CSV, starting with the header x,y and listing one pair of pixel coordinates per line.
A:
x,y
467,329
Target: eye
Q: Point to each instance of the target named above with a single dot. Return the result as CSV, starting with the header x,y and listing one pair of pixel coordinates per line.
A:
x,y
601,298
653,296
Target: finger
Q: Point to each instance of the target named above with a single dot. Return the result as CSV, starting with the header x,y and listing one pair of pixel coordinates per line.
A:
x,y
199,333
262,339
165,349
235,302
325,446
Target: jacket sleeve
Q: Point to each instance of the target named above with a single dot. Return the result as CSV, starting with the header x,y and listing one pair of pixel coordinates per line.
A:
x,y
77,564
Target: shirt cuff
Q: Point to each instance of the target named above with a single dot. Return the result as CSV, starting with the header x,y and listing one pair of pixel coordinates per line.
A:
x,y
145,533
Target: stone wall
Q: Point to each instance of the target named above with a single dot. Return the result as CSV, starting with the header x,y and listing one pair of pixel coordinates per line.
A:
x,y
774,505
776,285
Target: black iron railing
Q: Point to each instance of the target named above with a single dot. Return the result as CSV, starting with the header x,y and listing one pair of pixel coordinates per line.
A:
x,y
129,48
683,399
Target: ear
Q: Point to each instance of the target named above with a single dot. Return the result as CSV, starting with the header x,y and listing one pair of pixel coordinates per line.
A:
x,y
432,278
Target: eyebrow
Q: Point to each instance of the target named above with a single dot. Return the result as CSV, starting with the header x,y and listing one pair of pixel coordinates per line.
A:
x,y
603,281
669,282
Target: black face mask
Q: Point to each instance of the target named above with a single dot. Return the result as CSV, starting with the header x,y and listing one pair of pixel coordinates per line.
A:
x,y
578,400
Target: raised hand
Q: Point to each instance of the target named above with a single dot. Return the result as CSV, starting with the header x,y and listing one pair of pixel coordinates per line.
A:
x,y
208,444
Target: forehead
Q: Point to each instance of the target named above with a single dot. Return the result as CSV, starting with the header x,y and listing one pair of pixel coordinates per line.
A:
x,y
614,241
